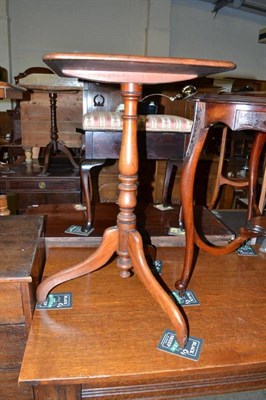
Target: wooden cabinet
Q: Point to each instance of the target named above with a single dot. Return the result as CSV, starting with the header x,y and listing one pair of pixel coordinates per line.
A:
x,y
25,185
22,259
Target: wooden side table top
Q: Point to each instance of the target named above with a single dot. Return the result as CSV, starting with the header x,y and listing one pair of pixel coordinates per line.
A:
x,y
110,346
132,68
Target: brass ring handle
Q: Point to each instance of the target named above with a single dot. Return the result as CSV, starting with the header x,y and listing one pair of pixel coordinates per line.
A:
x,y
42,185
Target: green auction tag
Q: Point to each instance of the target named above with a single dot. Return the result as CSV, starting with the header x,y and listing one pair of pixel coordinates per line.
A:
x,y
169,344
56,300
189,298
77,230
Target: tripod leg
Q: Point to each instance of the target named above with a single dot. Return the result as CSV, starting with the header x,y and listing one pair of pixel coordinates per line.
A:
x,y
96,260
144,273
62,147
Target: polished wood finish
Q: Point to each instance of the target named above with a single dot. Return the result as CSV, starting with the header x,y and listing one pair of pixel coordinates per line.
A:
x,y
131,72
152,223
132,68
238,113
106,347
22,260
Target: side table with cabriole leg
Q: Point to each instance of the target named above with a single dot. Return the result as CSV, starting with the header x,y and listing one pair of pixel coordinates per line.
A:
x,y
131,72
238,113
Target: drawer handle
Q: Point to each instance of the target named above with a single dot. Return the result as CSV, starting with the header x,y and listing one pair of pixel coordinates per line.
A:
x,y
42,185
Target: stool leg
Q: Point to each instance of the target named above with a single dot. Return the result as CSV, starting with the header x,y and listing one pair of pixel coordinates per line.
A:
x,y
218,182
220,178
262,192
87,190
100,257
168,175
197,141
146,277
257,147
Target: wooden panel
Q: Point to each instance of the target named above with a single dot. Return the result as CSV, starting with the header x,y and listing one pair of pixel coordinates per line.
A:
x,y
13,340
11,305
19,237
9,388
35,119
69,392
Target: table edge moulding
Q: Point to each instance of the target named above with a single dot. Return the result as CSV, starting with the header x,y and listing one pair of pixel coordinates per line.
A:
x,y
131,72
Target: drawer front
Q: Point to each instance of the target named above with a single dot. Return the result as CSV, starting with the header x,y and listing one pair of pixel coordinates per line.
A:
x,y
3,184
11,310
44,185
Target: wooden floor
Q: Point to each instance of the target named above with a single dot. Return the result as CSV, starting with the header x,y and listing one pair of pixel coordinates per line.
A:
x,y
106,344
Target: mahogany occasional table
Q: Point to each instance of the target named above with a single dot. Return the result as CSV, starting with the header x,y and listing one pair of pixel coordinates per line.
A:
x,y
131,72
238,112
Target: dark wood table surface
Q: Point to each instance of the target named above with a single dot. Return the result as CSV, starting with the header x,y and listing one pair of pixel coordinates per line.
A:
x,y
153,224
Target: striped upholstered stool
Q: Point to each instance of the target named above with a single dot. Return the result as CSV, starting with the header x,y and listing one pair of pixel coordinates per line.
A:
x,y
160,137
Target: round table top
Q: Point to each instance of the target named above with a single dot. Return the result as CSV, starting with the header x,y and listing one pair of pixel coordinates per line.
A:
x,y
119,68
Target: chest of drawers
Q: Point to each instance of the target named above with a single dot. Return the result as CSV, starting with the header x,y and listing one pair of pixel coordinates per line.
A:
x,y
28,187
22,260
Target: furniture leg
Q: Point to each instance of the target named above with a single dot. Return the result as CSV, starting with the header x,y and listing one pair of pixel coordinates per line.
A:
x,y
62,147
87,190
262,192
253,209
222,180
103,253
48,151
218,182
147,278
171,164
197,140
257,148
